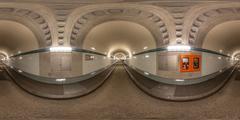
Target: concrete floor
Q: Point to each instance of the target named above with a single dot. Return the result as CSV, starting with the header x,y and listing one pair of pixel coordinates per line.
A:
x,y
117,99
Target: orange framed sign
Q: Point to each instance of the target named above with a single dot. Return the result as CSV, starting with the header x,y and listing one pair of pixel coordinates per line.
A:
x,y
190,63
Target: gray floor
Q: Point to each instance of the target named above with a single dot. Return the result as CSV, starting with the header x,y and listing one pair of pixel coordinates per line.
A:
x,y
117,99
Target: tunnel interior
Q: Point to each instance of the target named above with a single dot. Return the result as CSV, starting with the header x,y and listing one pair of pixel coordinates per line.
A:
x,y
224,38
118,35
16,38
129,43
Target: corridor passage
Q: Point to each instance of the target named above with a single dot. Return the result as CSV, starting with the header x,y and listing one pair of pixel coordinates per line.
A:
x,y
118,99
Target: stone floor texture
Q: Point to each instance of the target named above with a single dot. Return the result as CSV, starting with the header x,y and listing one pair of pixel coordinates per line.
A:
x,y
118,99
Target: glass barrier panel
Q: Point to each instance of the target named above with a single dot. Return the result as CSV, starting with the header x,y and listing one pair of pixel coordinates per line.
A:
x,y
59,64
164,65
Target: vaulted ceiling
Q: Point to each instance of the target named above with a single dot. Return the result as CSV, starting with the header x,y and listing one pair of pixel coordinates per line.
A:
x,y
15,37
119,35
225,36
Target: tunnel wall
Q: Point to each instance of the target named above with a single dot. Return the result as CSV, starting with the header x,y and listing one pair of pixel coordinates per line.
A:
x,y
148,64
98,62
166,64
28,63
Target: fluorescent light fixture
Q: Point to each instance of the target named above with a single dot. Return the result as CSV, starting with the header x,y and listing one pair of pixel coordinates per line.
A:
x,y
20,71
61,79
93,48
221,51
146,73
179,48
179,80
60,49
147,56
92,57
145,47
219,58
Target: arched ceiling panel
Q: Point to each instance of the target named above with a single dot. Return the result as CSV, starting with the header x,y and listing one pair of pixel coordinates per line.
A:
x,y
119,35
15,37
224,37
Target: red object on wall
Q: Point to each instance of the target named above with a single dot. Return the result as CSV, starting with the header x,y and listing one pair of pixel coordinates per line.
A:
x,y
190,63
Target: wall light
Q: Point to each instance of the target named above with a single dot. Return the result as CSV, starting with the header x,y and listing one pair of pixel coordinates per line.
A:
x,y
179,48
60,49
221,51
179,80
147,56
146,73
145,47
61,79
93,48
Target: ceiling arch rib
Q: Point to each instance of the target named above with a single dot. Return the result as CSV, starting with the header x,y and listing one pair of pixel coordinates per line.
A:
x,y
148,19
33,20
207,20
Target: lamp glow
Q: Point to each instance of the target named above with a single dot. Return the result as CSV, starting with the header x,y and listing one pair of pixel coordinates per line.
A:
x,y
179,48
145,47
180,80
60,49
146,73
61,79
93,48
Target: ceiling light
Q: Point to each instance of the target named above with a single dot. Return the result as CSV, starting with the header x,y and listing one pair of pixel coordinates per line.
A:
x,y
147,56
145,47
179,48
60,49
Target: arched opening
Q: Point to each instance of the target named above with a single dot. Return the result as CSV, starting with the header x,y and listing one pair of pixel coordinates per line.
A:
x,y
16,38
223,38
127,38
119,35
120,55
